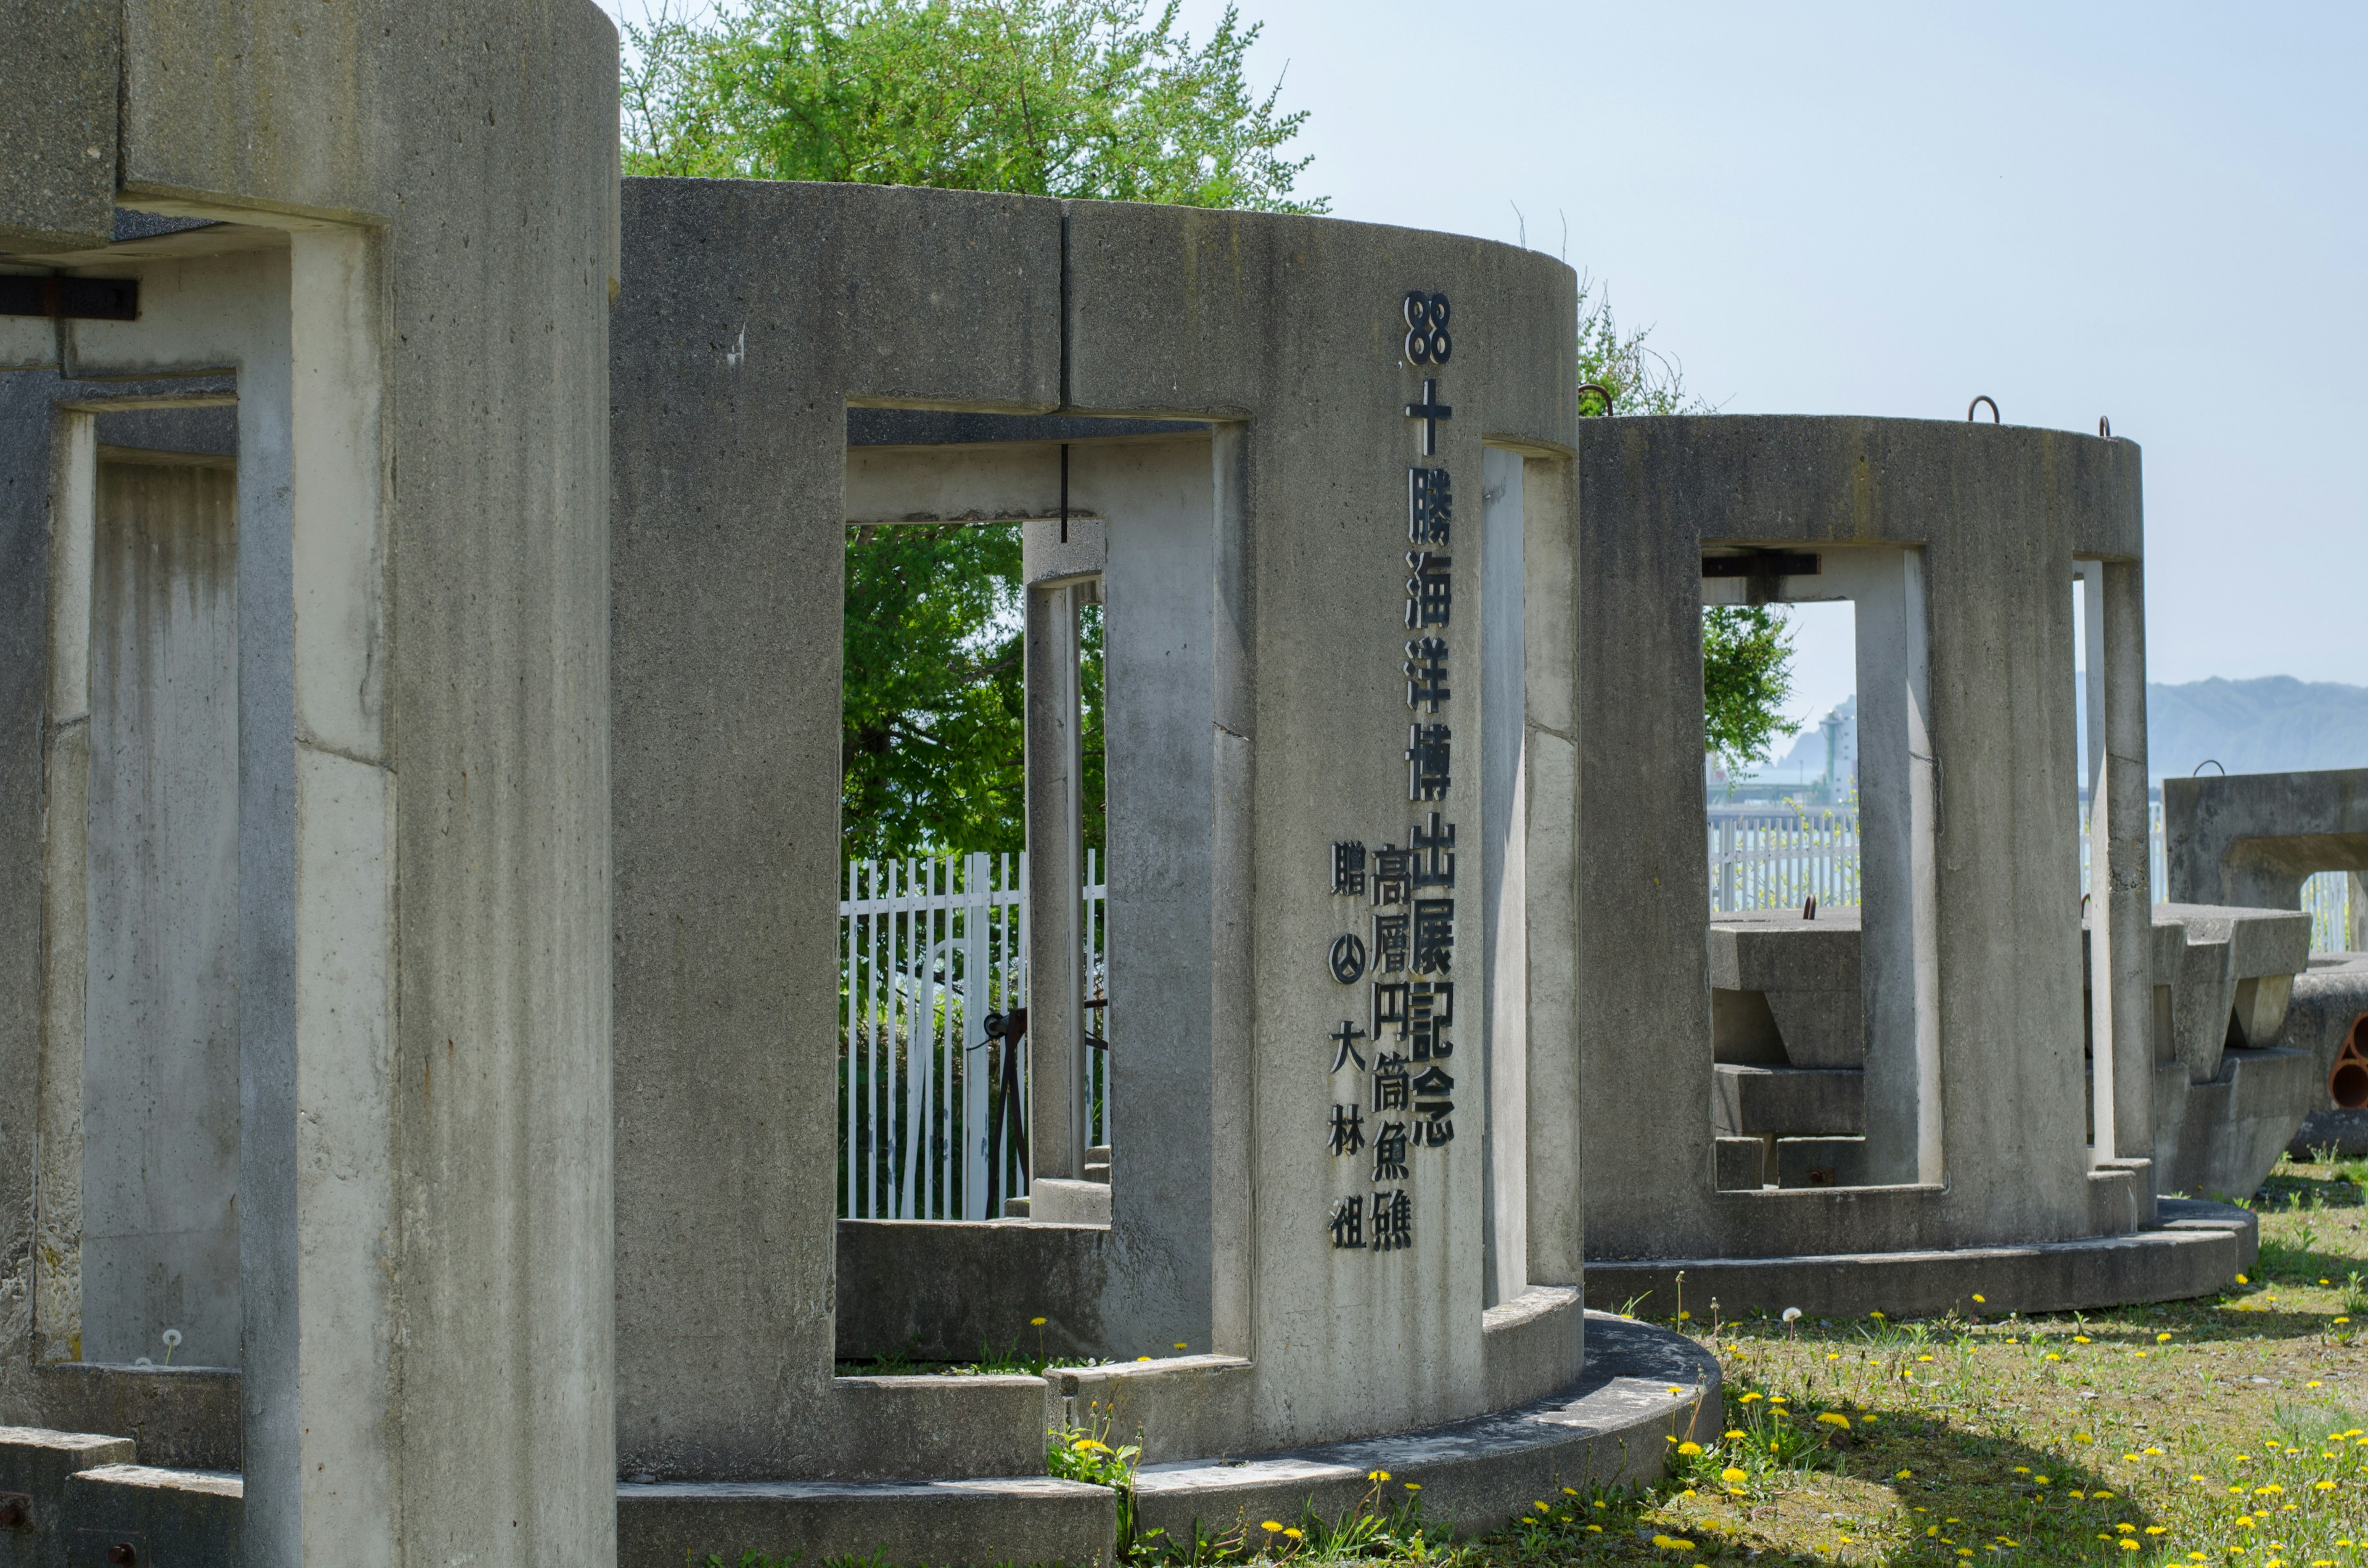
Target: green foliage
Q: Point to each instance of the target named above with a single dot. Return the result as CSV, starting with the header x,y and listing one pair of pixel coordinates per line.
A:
x,y
933,747
1747,653
1641,379
1087,98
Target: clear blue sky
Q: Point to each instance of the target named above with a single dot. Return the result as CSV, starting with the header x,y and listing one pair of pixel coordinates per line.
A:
x,y
2155,212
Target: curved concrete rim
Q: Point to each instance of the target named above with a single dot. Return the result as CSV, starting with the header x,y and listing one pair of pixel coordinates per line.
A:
x,y
2194,1250
1645,1389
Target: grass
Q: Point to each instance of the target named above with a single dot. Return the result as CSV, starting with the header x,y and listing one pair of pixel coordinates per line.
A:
x,y
2164,1436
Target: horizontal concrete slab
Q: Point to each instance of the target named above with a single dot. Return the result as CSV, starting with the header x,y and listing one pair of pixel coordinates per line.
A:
x,y
2195,1251
950,1523
1643,1386
165,1517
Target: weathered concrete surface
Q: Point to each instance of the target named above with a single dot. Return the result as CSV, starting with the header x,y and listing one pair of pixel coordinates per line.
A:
x,y
57,124
1641,1387
2195,1251
160,1084
166,1517
772,310
1788,1102
2330,1001
181,1417
940,1290
1176,1407
425,937
1995,518
2254,838
1532,1343
2233,1130
960,1524
729,418
35,1463
1283,327
1805,971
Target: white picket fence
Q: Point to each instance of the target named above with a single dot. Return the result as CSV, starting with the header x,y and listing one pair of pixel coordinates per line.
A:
x,y
1775,860
929,946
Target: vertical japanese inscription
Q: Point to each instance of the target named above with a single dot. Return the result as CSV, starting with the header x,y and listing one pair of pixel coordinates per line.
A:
x,y
1405,893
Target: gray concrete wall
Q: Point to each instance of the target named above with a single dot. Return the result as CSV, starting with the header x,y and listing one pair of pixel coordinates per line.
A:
x,y
2254,838
159,1056
57,122
1998,516
1286,324
730,439
1260,583
422,633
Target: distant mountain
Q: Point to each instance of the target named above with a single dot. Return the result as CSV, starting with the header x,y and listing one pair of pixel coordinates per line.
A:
x,y
2275,724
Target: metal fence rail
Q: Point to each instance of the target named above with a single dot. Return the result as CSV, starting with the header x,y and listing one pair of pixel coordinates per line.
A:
x,y
928,948
1775,860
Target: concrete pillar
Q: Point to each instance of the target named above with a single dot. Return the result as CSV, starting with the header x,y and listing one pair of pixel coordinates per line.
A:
x,y
2121,903
1056,863
1503,882
1554,1229
2355,903
1897,825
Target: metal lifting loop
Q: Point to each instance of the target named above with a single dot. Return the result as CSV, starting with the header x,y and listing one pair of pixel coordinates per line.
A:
x,y
2210,762
1599,390
2104,427
1977,402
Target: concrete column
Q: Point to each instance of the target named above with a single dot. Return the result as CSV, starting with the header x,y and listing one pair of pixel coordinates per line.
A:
x,y
2356,906
2120,906
1056,1137
1503,882
1549,913
1897,825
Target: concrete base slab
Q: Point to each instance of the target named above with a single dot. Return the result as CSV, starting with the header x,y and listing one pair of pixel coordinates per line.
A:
x,y
34,1466
166,1516
1643,1387
951,1524
2194,1250
2344,1132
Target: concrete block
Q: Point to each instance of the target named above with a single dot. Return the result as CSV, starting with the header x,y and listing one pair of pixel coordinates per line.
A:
x,y
2236,1127
58,121
958,1524
1742,1163
939,1290
1535,1343
170,1518
1788,1102
1642,1386
2253,838
1178,1407
2192,1249
2345,1133
34,1466
943,1427
181,1417
1821,1162
1808,974
1053,1201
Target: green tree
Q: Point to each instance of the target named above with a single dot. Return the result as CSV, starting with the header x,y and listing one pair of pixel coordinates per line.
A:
x,y
1746,650
1044,98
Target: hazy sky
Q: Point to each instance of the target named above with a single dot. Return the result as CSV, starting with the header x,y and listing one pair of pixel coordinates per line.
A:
x,y
2153,212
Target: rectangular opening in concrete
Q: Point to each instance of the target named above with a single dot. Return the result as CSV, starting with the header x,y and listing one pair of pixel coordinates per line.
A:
x,y
1821,931
932,824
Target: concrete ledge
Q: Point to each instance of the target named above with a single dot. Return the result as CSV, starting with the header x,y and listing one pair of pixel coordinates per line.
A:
x,y
1613,1426
1531,1345
184,1417
940,1290
2196,1249
952,1523
1182,1405
169,1517
35,1464
939,1428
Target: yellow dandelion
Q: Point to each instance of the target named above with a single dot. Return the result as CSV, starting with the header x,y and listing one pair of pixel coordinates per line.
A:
x,y
1732,1474
2163,1338
1903,1475
1035,1322
1272,1527
2081,1339
1294,1535
1834,1418
1981,1299
1690,1449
